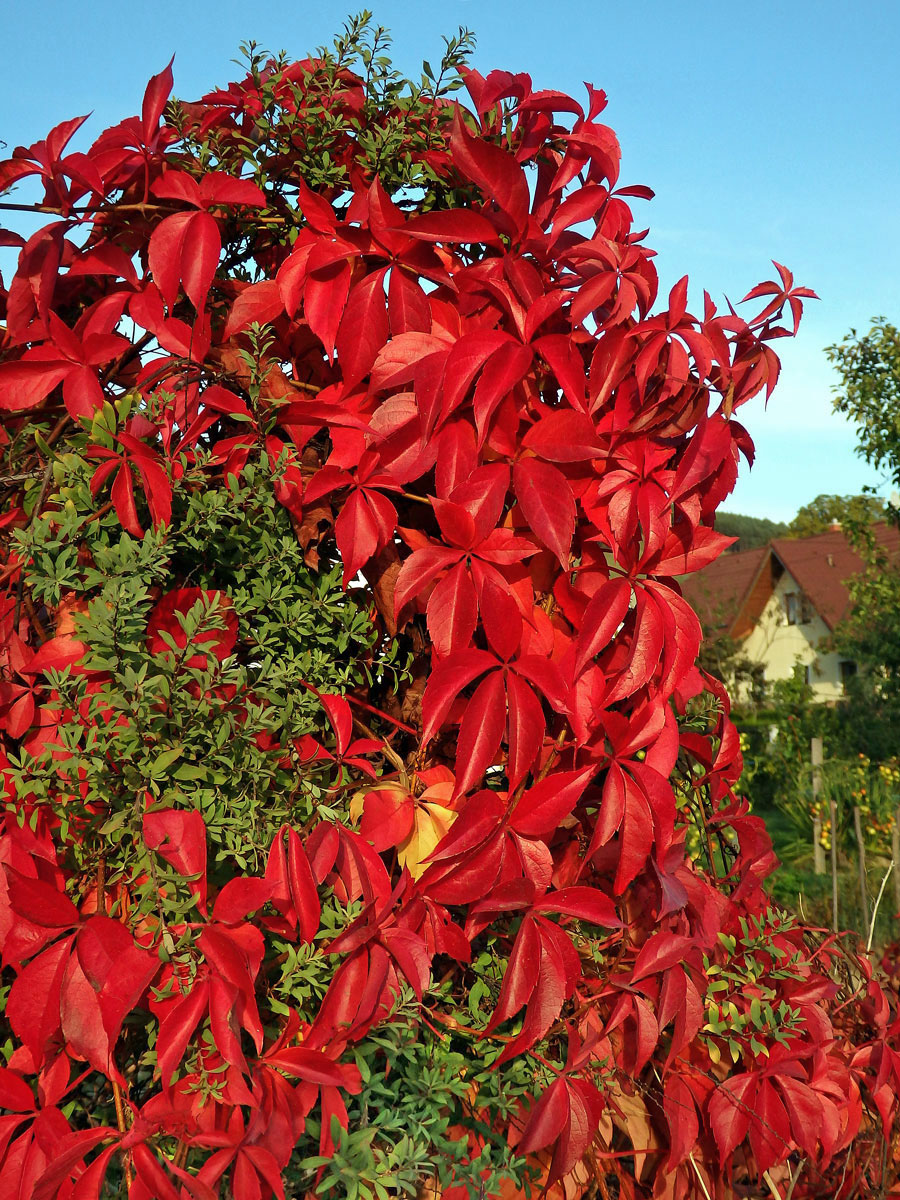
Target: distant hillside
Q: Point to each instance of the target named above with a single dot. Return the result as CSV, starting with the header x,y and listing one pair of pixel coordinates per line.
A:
x,y
752,531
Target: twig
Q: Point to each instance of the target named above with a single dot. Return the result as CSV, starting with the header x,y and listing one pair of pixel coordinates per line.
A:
x,y
887,876
122,1126
389,753
795,1178
36,622
35,513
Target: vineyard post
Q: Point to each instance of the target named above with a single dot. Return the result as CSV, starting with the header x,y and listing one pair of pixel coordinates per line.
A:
x,y
861,859
818,848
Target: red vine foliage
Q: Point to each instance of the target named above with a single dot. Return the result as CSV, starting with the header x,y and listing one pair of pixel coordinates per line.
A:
x,y
499,813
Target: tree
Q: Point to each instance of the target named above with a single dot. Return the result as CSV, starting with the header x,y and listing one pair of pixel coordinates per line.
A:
x,y
353,732
750,531
870,637
827,510
869,391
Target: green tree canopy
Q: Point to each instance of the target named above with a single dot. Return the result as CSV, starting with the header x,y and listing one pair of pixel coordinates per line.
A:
x,y
869,391
752,531
826,510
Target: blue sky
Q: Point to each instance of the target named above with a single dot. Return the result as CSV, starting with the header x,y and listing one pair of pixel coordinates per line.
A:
x,y
767,131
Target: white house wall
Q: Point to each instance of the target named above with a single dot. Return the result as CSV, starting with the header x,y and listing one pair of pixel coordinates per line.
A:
x,y
779,646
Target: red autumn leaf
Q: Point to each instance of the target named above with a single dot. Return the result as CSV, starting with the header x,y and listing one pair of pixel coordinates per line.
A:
x,y
447,680
547,1119
481,731
240,897
602,618
309,1065
681,1116
260,302
396,362
804,1108
495,170
151,1174
659,952
155,96
678,558
363,329
324,299
39,902
542,807
452,225
563,436
116,967
304,894
177,1025
179,838
33,1005
526,728
452,606
731,1107
770,1130
547,504
184,251
15,1094
387,817
408,307
81,1018
24,384
586,903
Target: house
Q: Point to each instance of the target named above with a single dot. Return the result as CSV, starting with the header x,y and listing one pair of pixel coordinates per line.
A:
x,y
781,602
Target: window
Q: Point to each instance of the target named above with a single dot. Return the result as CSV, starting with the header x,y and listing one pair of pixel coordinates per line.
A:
x,y
798,609
847,670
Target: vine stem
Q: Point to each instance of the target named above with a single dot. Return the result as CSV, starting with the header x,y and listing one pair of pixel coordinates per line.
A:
x,y
122,1125
121,1117
35,513
389,753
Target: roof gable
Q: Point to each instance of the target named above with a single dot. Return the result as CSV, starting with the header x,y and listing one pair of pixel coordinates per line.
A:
x,y
729,595
822,565
718,592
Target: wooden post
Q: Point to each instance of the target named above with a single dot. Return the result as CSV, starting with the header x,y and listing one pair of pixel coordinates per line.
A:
x,y
834,872
818,849
863,896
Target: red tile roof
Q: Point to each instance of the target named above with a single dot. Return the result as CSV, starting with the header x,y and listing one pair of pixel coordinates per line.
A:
x,y
820,565
823,563
717,593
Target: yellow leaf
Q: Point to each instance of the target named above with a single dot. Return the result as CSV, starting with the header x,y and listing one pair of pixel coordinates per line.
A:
x,y
431,823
